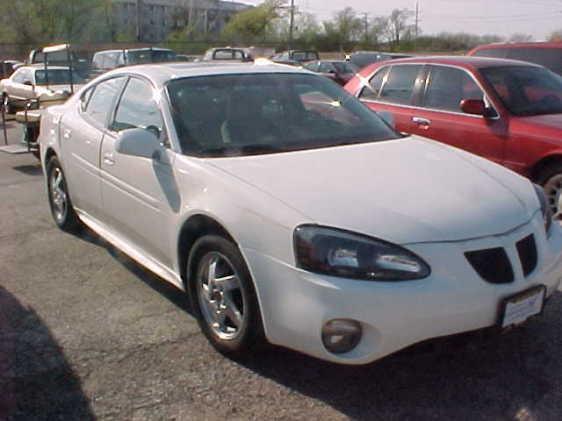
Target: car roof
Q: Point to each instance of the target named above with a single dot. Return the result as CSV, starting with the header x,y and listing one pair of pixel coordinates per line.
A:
x,y
131,49
509,45
160,73
462,61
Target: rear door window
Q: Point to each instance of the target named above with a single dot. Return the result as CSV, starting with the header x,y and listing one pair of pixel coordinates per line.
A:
x,y
448,86
399,85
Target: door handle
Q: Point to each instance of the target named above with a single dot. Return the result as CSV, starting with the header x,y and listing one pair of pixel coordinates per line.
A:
x,y
420,121
108,159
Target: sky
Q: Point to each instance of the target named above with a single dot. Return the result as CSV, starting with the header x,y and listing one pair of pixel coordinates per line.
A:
x,y
501,17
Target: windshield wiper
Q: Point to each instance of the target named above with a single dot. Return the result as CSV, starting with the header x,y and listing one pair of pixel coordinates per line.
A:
x,y
241,150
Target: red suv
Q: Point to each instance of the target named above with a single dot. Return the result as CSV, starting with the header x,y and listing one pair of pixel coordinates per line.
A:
x,y
547,54
507,111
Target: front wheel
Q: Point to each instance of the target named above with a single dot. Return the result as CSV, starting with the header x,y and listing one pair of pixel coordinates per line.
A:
x,y
59,200
551,180
223,296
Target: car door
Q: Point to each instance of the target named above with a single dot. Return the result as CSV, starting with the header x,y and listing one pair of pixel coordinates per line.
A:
x,y
82,129
439,115
21,86
139,194
394,88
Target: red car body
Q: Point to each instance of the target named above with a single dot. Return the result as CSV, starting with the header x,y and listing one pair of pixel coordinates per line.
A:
x,y
529,145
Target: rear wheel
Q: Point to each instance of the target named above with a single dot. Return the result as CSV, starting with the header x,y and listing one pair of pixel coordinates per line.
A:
x,y
9,107
551,180
223,297
59,200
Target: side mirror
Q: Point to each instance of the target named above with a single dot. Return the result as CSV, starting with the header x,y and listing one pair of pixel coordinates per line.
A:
x,y
388,117
473,106
28,83
138,142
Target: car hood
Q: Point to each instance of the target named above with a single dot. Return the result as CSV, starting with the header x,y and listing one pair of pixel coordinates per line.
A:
x,y
406,191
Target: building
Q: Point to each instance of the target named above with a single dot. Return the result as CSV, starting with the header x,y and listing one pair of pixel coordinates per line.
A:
x,y
153,20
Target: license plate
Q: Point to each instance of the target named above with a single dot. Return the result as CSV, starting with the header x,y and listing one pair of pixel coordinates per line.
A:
x,y
518,308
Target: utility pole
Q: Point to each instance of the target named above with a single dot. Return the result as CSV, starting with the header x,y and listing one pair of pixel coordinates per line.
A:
x,y
291,24
366,22
417,21
139,20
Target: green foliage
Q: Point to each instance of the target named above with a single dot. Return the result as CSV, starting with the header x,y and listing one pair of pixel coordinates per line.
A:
x,y
43,21
253,24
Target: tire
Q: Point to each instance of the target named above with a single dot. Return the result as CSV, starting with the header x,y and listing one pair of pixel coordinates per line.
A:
x,y
9,107
59,199
235,338
550,178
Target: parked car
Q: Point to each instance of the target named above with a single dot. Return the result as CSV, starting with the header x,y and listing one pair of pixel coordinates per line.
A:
x,y
290,212
60,55
295,57
339,71
227,54
507,111
33,82
364,58
547,54
111,59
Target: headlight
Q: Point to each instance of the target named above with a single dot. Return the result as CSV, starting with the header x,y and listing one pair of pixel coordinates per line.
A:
x,y
545,208
345,254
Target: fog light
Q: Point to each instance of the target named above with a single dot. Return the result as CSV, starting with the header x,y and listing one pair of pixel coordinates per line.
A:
x,y
341,335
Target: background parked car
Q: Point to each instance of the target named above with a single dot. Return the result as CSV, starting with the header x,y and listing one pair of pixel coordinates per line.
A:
x,y
364,58
507,111
547,54
111,59
296,57
227,54
33,82
339,71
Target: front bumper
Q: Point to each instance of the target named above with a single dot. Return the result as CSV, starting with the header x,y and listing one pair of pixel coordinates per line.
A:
x,y
295,304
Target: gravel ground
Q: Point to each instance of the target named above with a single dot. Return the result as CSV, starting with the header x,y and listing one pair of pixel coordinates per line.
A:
x,y
86,333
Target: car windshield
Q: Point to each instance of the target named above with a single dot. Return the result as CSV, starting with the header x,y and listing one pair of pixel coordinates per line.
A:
x,y
231,115
305,55
526,90
343,67
150,56
56,77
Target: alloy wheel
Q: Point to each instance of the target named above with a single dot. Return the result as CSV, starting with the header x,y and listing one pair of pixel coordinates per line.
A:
x,y
220,296
59,197
553,190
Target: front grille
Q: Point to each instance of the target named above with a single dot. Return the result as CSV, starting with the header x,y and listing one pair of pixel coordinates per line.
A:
x,y
527,250
492,265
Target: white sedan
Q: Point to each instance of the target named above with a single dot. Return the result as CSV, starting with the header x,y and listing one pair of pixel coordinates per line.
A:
x,y
290,213
34,82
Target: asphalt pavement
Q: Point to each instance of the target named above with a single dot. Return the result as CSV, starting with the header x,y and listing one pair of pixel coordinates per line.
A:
x,y
86,333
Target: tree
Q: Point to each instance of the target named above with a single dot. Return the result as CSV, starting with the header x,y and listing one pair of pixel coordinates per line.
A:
x,y
398,25
520,37
556,36
345,28
253,24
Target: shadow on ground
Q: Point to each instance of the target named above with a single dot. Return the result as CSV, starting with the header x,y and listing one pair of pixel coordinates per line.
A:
x,y
479,375
36,381
29,169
